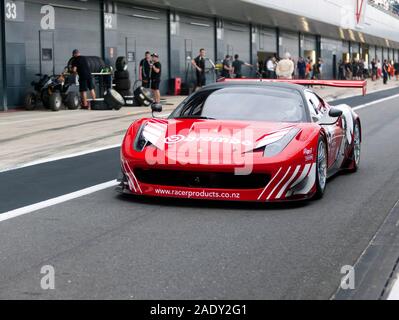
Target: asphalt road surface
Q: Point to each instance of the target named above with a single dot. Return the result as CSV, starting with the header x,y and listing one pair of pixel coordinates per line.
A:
x,y
103,246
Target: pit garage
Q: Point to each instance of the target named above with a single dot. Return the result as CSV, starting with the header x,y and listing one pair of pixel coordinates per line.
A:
x,y
379,54
41,38
332,51
190,33
308,46
266,44
135,30
289,42
236,40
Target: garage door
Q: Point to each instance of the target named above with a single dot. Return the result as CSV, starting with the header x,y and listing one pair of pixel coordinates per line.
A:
x,y
289,42
190,35
62,26
332,51
267,40
372,52
237,40
379,54
140,29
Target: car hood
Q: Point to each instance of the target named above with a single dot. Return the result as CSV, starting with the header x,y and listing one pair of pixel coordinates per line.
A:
x,y
228,136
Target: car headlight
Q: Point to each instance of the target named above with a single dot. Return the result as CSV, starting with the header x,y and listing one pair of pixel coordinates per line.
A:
x,y
278,146
140,142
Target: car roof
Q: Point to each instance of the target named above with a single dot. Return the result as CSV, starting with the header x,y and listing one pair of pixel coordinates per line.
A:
x,y
255,83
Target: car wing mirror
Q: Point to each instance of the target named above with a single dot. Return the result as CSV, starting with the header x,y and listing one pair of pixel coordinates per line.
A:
x,y
156,107
331,117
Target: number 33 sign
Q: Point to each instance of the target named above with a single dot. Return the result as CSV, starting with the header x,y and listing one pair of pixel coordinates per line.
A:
x,y
14,10
11,10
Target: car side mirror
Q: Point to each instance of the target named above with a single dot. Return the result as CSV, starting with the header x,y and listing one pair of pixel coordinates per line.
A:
x,y
335,113
156,107
331,117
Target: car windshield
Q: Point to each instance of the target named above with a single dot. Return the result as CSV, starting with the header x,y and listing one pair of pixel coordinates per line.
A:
x,y
272,104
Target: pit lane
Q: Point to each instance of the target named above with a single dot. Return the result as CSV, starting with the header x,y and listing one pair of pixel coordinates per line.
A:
x,y
104,246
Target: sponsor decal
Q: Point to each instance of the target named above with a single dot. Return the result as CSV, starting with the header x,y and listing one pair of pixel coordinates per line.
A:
x,y
174,139
308,153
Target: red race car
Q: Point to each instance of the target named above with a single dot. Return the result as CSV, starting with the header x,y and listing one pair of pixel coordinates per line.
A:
x,y
245,140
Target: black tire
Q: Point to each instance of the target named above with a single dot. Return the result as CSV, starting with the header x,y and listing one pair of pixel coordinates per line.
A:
x,y
144,96
55,101
30,101
121,75
95,63
45,99
125,93
99,105
355,160
72,101
320,181
122,84
121,64
113,99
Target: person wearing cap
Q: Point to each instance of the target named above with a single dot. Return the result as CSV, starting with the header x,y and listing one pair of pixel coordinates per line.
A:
x,y
81,67
285,68
156,71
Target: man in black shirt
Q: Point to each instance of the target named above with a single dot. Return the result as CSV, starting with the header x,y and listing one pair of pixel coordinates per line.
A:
x,y
226,67
199,65
81,67
237,66
145,68
156,71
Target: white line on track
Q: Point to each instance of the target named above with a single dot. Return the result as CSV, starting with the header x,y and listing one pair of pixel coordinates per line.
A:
x,y
375,102
51,202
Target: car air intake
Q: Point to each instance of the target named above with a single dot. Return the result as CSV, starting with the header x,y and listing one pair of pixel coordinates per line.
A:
x,y
211,180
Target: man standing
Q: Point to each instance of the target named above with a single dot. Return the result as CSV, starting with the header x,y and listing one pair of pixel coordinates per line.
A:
x,y
301,66
81,67
156,71
285,67
237,66
199,65
145,68
385,71
271,68
226,67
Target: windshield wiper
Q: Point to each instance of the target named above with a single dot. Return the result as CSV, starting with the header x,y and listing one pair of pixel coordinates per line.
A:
x,y
196,117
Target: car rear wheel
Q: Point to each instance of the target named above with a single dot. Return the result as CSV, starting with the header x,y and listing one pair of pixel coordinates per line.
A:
x,y
321,168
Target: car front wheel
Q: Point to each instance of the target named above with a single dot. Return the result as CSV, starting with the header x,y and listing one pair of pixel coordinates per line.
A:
x,y
321,168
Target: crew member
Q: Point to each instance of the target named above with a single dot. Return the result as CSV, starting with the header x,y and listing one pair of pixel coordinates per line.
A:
x,y
237,66
199,65
156,71
226,67
144,70
81,67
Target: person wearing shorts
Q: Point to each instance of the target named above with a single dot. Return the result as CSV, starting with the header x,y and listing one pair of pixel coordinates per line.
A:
x,y
199,65
81,67
156,73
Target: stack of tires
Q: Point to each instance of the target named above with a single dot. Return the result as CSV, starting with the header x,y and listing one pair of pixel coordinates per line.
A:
x,y
122,78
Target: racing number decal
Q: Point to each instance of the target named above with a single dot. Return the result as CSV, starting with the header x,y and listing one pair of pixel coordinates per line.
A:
x,y
11,10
